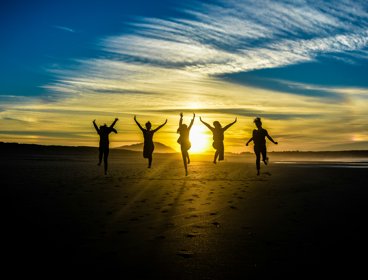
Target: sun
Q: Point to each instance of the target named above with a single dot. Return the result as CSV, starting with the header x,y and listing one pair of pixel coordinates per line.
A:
x,y
200,139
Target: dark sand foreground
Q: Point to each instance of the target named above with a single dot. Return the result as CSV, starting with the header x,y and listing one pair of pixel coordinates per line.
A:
x,y
63,217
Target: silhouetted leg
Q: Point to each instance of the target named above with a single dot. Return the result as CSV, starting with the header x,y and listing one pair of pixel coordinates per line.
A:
x,y
149,161
100,154
106,155
258,159
185,155
188,159
216,156
264,155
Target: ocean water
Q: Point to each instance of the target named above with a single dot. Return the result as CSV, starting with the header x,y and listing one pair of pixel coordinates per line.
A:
x,y
332,163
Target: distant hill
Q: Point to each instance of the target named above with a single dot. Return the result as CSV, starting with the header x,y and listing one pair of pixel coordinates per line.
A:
x,y
159,148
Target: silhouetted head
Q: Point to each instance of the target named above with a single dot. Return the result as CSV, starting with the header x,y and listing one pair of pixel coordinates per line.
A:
x,y
103,126
148,125
217,124
258,122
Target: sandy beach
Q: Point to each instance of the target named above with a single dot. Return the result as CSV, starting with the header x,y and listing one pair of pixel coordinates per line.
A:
x,y
63,217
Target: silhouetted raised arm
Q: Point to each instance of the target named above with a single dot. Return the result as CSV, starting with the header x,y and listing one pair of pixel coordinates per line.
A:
x,y
96,127
160,126
191,122
230,124
139,125
269,137
180,122
206,124
114,122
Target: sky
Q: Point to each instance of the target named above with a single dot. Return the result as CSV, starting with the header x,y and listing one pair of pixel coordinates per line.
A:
x,y
299,65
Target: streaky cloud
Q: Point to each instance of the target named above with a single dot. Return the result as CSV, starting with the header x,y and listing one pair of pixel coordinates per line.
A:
x,y
64,28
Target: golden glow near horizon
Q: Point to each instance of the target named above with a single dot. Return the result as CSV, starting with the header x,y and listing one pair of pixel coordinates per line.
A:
x,y
68,121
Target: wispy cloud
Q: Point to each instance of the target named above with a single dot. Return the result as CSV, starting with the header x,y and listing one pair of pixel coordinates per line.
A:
x,y
64,28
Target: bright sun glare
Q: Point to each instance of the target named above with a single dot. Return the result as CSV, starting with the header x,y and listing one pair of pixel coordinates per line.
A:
x,y
199,139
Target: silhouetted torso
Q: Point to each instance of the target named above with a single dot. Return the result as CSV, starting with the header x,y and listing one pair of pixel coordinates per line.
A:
x,y
148,146
218,134
184,138
148,137
259,137
104,135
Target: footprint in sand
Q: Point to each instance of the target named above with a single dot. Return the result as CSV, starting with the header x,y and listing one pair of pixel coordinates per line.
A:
x,y
216,224
185,254
233,207
191,216
191,235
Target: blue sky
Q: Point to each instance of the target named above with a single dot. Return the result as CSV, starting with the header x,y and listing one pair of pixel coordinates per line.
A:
x,y
300,65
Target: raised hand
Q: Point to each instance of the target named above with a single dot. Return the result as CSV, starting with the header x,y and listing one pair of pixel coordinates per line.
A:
x,y
181,115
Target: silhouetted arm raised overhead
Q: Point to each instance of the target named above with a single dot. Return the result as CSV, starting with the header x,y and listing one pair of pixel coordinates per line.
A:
x,y
180,122
114,122
230,124
191,122
96,127
139,125
160,126
270,138
206,124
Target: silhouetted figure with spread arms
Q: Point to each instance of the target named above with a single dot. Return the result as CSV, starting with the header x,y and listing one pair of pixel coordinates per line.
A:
x,y
259,139
184,141
148,145
218,138
104,132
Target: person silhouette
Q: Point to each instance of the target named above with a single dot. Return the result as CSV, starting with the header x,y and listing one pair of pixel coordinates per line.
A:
x,y
104,132
218,138
148,145
259,140
184,141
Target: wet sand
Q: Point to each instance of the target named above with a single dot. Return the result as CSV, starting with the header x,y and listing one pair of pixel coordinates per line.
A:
x,y
63,217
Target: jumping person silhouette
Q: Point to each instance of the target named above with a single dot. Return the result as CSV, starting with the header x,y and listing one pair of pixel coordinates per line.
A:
x,y
184,141
259,139
148,145
104,132
218,138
